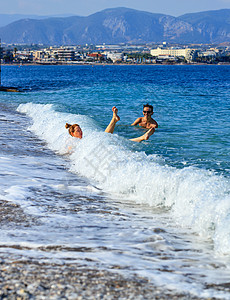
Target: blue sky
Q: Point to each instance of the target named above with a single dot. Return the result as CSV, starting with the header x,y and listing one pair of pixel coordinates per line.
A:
x,y
87,7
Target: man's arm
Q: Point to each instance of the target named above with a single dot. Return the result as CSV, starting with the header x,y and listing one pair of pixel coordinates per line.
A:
x,y
155,124
136,122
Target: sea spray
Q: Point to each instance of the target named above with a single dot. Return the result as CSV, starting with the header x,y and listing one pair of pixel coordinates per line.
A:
x,y
197,198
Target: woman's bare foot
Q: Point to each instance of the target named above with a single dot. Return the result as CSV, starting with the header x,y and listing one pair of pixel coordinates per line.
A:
x,y
115,116
115,119
145,136
148,133
139,139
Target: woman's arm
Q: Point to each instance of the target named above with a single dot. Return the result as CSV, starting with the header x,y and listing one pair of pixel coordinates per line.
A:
x,y
145,136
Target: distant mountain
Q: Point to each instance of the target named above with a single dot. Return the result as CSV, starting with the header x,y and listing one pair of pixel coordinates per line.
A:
x,y
212,26
6,19
121,25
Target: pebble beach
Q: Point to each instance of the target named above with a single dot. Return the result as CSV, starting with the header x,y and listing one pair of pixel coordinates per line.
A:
x,y
37,280
25,278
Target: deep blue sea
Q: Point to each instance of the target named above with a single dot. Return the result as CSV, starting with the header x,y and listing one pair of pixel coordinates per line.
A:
x,y
159,208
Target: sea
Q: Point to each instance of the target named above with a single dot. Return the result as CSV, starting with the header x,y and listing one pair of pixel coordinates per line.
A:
x,y
159,209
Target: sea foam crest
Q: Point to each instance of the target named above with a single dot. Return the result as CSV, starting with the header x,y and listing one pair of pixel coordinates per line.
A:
x,y
196,198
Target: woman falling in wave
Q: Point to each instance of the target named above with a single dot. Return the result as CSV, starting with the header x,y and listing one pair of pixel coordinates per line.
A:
x,y
74,130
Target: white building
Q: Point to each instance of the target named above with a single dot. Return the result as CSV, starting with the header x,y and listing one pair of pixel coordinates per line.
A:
x,y
208,53
65,53
187,53
114,56
23,55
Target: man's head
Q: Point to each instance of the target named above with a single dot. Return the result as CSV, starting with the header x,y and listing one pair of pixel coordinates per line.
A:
x,y
147,110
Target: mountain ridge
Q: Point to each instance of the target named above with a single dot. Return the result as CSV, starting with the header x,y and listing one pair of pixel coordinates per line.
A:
x,y
121,25
6,19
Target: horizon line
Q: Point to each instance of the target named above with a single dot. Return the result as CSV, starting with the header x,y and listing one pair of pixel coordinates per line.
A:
x,y
67,15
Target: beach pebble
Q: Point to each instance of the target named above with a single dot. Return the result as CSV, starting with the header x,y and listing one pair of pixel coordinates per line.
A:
x,y
33,280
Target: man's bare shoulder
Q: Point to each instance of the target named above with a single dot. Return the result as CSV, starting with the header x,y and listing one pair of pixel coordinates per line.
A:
x,y
154,122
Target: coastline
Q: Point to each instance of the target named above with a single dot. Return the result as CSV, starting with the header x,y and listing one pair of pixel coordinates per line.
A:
x,y
114,64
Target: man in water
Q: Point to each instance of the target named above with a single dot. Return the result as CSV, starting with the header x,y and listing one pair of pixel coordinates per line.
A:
x,y
146,122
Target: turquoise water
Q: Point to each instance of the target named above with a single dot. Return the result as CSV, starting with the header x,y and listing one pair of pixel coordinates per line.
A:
x,y
160,208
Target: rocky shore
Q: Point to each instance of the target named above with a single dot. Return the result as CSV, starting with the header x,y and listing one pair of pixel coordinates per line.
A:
x,y
23,278
40,280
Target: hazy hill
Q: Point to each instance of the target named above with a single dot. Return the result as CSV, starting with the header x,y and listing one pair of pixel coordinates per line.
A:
x,y
120,25
214,26
6,19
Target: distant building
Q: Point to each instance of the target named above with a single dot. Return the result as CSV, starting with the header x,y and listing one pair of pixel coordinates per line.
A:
x,y
208,53
39,55
187,53
96,56
23,55
52,54
65,53
114,56
108,47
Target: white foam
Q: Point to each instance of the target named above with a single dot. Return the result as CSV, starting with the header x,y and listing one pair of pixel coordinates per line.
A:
x,y
197,198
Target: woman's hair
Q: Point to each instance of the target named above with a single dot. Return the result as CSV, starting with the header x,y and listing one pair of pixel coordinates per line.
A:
x,y
71,127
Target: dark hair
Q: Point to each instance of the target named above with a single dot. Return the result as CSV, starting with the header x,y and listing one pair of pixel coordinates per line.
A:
x,y
71,127
149,106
